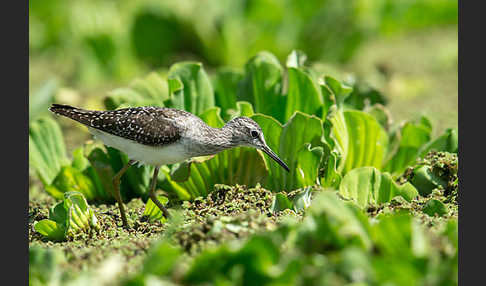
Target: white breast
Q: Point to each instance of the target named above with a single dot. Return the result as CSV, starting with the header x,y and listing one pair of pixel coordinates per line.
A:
x,y
156,156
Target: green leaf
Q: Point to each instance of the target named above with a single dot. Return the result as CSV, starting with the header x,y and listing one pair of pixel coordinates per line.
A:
x,y
292,142
404,248
79,161
433,207
50,229
44,265
180,172
71,179
100,171
359,139
81,216
68,218
256,259
425,180
363,95
281,202
308,162
336,90
448,141
190,88
47,152
297,200
413,136
262,85
152,211
333,223
225,82
243,108
58,213
296,59
368,186
149,91
302,199
330,176
381,114
304,94
161,258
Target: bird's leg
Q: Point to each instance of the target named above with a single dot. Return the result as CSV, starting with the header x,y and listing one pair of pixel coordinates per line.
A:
x,y
116,187
153,197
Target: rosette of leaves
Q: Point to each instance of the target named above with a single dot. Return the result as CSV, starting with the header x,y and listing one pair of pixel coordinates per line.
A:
x,y
368,186
358,138
298,143
278,94
68,218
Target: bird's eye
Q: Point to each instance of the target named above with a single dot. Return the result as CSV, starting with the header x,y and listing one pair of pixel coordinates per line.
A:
x,y
254,134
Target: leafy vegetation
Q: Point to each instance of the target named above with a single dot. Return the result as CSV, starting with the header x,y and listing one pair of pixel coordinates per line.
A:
x,y
371,196
67,218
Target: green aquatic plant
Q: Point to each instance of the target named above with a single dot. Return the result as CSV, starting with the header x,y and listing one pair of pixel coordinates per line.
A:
x,y
68,218
368,186
47,151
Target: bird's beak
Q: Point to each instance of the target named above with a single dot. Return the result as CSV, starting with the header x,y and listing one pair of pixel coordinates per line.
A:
x,y
274,156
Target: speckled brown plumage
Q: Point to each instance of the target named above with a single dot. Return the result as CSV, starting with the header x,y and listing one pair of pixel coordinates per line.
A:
x,y
152,126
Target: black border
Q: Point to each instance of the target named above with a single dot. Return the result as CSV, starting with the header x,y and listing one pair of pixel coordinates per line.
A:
x,y
15,127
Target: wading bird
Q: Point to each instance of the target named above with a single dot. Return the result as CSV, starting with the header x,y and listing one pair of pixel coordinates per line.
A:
x,y
159,136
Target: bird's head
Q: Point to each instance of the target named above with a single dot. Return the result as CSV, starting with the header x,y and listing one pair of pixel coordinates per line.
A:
x,y
246,132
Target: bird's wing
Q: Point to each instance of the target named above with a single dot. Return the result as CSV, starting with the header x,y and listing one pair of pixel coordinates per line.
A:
x,y
151,126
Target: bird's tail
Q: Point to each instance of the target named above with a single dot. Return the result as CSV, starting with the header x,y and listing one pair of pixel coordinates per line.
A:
x,y
61,109
78,114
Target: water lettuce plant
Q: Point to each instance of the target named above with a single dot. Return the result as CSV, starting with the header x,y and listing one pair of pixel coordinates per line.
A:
x,y
368,186
68,218
359,139
298,143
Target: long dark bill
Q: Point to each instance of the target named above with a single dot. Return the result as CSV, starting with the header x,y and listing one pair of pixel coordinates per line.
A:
x,y
275,157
